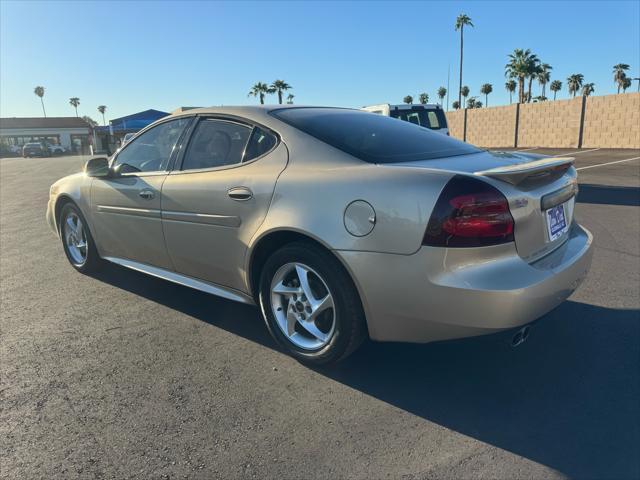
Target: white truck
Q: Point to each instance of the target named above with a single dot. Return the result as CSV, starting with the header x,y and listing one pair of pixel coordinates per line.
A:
x,y
429,116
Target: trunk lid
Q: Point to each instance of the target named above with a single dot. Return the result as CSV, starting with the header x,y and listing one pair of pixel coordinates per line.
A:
x,y
541,191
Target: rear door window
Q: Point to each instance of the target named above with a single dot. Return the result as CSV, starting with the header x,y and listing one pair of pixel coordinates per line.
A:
x,y
216,143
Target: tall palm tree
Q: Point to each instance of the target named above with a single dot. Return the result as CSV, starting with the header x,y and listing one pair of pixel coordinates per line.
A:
x,y
574,83
74,102
290,98
510,86
626,84
619,74
39,91
534,71
280,86
464,91
455,105
423,98
522,64
543,77
102,109
555,87
486,89
260,90
408,99
442,92
588,89
461,21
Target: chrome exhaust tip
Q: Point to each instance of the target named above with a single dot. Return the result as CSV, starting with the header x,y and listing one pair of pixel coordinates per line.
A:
x,y
521,336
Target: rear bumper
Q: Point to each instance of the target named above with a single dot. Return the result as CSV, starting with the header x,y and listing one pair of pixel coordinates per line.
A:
x,y
439,294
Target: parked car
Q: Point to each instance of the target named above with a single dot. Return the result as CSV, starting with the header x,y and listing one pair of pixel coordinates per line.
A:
x,y
339,224
429,116
35,149
56,149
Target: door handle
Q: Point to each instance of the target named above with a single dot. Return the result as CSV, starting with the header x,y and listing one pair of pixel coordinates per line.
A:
x,y
146,194
240,193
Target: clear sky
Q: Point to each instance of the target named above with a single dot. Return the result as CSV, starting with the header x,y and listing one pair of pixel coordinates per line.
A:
x,y
134,56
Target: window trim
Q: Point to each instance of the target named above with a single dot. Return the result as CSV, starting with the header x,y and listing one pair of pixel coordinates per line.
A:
x,y
179,162
174,153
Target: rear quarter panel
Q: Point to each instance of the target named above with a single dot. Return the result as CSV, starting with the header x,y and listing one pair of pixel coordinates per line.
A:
x,y
320,182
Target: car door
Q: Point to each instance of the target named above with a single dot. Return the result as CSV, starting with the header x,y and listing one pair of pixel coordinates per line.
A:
x,y
126,207
214,202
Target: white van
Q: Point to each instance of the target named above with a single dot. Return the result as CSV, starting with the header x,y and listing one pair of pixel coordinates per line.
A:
x,y
429,115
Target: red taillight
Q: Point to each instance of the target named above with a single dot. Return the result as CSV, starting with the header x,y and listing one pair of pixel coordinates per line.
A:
x,y
469,213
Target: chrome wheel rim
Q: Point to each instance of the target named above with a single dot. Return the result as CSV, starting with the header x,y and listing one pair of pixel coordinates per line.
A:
x,y
303,306
75,239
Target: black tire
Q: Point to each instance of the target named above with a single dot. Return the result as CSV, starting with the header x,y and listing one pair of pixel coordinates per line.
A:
x,y
92,262
350,324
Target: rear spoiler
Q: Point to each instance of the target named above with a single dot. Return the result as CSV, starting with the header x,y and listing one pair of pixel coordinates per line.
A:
x,y
516,174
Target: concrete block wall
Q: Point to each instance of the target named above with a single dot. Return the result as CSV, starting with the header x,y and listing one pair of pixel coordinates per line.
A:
x,y
550,124
455,121
491,127
610,121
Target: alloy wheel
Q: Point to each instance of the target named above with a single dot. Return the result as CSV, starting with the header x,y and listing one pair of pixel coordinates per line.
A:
x,y
303,306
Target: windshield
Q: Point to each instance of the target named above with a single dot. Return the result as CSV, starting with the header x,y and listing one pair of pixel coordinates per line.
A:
x,y
372,138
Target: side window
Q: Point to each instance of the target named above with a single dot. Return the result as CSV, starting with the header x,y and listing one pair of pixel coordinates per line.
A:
x,y
259,144
433,120
151,151
216,143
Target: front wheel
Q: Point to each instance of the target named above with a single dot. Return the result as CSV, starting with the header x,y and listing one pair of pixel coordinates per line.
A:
x,y
310,304
77,241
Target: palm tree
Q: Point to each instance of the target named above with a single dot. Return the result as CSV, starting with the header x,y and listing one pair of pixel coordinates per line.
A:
x,y
510,86
534,71
543,77
74,102
464,91
486,89
461,21
290,98
423,98
39,91
555,87
478,104
626,84
588,89
619,74
455,105
280,86
574,83
442,92
522,65
260,90
471,103
102,109
408,99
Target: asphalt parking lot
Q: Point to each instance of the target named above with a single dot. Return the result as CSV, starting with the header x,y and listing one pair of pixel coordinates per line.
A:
x,y
126,376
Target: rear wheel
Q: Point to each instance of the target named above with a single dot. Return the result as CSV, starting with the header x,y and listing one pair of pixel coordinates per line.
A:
x,y
77,241
310,304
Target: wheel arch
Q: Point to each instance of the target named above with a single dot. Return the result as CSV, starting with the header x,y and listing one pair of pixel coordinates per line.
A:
x,y
271,241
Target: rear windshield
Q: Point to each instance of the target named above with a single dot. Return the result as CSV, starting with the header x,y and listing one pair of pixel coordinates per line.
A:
x,y
433,119
373,138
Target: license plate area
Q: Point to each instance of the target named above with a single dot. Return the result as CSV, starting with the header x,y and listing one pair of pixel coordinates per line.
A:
x,y
556,220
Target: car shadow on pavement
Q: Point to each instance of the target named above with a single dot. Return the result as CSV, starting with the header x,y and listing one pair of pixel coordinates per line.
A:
x,y
567,398
609,195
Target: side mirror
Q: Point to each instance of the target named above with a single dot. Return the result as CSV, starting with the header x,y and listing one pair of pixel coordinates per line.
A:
x,y
97,167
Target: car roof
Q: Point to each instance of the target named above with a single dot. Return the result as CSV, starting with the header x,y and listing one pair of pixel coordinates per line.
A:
x,y
246,110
